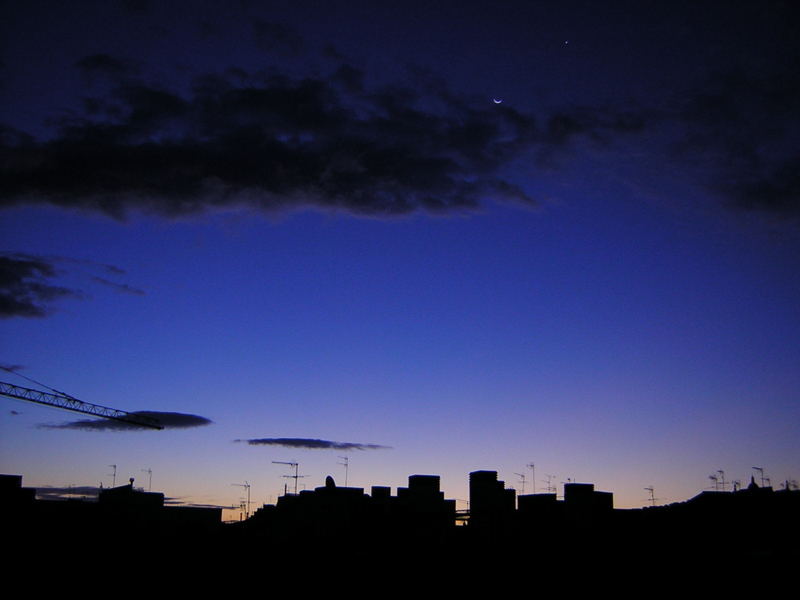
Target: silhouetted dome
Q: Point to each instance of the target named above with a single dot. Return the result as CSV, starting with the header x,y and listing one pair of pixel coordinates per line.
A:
x,y
329,482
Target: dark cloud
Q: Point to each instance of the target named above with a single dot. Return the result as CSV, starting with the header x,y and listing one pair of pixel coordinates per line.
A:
x,y
742,128
270,142
26,288
169,420
330,51
208,29
136,7
774,190
597,124
105,65
120,287
350,78
276,38
312,444
10,137
600,126
738,126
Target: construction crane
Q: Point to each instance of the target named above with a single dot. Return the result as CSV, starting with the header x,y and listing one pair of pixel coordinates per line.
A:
x,y
67,402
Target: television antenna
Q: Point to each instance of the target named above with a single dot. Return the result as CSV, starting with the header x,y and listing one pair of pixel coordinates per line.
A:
x,y
522,479
760,471
532,467
150,481
722,479
296,466
346,465
246,486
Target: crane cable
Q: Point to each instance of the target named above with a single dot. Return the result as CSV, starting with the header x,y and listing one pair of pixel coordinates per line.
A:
x,y
32,380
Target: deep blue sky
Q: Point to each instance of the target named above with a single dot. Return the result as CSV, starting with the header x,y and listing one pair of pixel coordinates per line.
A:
x,y
316,223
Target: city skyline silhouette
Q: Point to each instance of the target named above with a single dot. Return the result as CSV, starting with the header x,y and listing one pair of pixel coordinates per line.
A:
x,y
580,529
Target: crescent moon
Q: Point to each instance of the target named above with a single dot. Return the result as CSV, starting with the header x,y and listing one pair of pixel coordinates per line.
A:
x,y
496,101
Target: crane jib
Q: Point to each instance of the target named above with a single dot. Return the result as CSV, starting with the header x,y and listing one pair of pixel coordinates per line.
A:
x,y
67,402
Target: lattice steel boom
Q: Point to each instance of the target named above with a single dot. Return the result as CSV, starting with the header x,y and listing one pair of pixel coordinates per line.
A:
x,y
67,402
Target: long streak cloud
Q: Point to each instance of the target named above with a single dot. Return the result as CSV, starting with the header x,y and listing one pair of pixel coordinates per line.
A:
x,y
169,420
312,444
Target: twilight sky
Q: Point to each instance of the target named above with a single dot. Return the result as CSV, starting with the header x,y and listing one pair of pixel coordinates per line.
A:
x,y
432,239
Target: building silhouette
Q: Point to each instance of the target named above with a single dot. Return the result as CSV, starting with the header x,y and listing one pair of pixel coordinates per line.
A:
x,y
122,512
757,524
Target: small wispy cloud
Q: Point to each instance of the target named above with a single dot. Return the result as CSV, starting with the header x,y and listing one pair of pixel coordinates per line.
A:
x,y
91,265
67,493
312,444
30,284
120,287
26,285
179,501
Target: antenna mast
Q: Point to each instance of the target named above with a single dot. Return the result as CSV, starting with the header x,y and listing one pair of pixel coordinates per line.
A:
x,y
296,465
246,486
150,480
522,479
532,467
760,471
346,464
